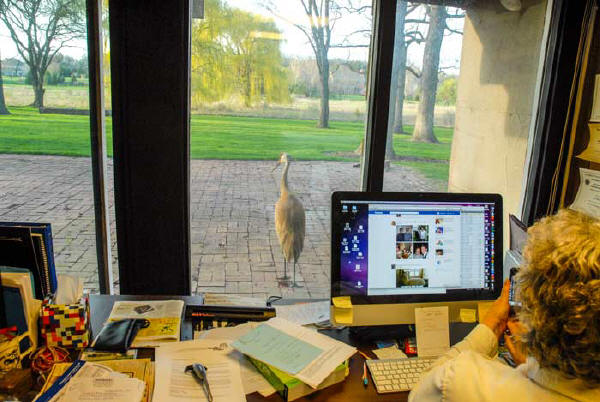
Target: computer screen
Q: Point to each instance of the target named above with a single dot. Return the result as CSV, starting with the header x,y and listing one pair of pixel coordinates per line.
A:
x,y
416,246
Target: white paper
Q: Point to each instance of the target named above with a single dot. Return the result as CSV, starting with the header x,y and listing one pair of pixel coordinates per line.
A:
x,y
587,199
223,372
113,388
69,289
391,352
433,331
252,379
334,352
233,300
304,313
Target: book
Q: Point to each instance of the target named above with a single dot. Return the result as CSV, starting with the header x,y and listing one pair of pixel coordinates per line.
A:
x,y
164,317
291,388
29,245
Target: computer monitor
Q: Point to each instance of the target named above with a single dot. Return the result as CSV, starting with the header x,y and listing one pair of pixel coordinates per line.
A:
x,y
393,252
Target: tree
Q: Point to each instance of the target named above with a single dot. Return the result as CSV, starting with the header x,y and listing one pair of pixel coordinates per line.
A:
x,y
236,53
402,40
3,108
318,28
446,94
438,16
39,29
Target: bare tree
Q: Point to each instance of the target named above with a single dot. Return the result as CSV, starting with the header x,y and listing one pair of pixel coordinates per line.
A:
x,y
438,16
3,108
320,17
403,38
39,29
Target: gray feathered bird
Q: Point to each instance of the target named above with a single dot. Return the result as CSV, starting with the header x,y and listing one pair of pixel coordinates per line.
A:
x,y
290,221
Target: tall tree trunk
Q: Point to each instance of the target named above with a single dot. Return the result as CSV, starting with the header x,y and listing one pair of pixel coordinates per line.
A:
x,y
429,76
3,108
398,111
324,72
397,80
37,81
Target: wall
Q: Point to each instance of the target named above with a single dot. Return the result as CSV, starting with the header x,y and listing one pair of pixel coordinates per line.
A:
x,y
498,75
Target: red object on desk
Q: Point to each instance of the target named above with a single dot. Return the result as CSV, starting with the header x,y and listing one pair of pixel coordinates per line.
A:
x,y
410,346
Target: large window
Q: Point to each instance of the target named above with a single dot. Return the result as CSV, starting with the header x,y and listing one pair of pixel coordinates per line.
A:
x,y
45,164
461,98
271,78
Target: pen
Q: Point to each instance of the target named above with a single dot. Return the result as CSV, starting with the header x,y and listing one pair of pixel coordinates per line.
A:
x,y
365,376
199,371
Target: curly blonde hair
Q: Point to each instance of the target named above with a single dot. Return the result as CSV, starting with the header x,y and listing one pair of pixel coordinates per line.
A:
x,y
560,292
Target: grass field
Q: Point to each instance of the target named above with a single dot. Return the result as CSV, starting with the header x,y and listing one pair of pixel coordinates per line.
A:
x,y
26,131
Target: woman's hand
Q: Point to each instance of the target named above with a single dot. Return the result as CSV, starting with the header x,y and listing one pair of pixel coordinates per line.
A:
x,y
497,316
513,341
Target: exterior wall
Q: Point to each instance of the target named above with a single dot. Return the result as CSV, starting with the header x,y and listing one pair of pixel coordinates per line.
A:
x,y
498,74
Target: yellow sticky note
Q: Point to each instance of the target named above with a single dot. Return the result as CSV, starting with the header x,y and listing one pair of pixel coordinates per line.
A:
x,y
482,309
343,311
468,315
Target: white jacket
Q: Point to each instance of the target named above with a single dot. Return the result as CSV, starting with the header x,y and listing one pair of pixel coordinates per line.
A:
x,y
470,372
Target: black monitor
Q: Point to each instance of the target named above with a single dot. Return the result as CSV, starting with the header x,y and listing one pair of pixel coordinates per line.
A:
x,y
391,252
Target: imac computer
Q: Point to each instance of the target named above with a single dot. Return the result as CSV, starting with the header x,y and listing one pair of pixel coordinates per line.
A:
x,y
394,252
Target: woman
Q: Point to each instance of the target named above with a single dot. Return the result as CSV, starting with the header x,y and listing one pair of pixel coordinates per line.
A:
x,y
559,324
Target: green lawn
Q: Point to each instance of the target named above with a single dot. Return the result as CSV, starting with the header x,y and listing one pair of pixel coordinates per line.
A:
x,y
26,131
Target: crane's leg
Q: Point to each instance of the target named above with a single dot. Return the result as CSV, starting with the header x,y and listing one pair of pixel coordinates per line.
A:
x,y
294,284
285,276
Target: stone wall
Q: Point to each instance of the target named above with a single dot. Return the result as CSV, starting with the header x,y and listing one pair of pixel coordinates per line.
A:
x,y
496,89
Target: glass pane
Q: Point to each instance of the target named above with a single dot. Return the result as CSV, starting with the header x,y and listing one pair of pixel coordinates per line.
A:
x,y
45,132
462,94
270,90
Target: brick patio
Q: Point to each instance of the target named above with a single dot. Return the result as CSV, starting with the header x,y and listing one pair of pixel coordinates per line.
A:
x,y
234,245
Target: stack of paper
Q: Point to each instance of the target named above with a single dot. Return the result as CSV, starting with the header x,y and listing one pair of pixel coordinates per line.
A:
x,y
85,381
298,351
223,372
164,317
142,369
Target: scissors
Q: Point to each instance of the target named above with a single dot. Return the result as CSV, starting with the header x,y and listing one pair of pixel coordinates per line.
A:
x,y
199,371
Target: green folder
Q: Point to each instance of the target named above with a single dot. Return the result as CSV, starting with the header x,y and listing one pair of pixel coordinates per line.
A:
x,y
291,388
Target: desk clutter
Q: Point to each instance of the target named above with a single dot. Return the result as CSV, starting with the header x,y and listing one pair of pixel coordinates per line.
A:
x,y
240,345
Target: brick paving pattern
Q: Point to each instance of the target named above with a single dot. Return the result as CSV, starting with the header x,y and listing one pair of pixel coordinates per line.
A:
x,y
234,245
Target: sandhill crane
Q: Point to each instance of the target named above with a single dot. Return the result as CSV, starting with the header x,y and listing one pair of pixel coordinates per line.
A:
x,y
290,221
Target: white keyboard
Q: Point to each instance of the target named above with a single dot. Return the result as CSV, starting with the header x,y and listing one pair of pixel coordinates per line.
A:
x,y
396,375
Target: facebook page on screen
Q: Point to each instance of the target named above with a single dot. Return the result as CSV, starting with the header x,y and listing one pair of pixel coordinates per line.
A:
x,y
395,248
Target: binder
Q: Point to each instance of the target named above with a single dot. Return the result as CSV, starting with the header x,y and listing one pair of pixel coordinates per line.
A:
x,y
29,245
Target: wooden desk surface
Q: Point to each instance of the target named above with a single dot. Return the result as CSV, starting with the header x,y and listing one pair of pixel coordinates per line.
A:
x,y
349,390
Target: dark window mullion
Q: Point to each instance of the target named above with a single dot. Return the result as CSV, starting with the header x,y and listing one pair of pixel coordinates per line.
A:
x,y
380,73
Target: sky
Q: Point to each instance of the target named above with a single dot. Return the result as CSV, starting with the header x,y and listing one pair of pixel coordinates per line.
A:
x,y
294,43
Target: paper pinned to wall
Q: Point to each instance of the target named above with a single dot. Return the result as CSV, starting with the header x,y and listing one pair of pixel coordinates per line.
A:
x,y
587,199
343,311
433,331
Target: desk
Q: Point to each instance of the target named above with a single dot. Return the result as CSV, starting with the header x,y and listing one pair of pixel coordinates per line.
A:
x,y
349,390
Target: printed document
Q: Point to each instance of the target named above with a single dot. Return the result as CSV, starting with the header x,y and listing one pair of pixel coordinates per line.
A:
x,y
252,379
433,331
587,199
223,372
304,313
311,371
164,317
